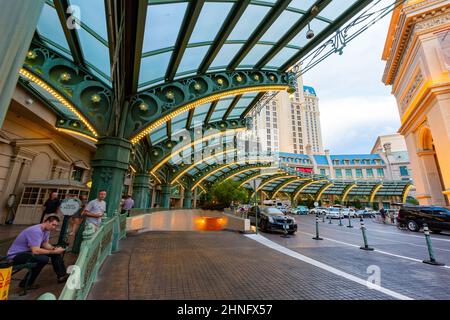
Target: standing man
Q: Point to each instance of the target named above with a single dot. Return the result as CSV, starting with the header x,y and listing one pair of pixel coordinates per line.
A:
x,y
95,210
32,245
128,204
51,206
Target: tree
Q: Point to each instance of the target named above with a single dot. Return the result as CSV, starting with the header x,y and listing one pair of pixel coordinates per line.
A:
x,y
223,193
412,201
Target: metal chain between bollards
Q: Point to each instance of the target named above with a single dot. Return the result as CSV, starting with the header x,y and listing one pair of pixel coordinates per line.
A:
x,y
432,260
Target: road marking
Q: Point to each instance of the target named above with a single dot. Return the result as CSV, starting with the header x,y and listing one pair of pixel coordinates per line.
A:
x,y
410,235
381,238
375,250
275,246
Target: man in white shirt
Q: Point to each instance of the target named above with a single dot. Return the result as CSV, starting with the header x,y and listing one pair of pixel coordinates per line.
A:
x,y
95,210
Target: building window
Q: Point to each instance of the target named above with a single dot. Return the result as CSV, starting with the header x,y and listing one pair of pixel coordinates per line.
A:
x,y
338,173
369,173
30,196
380,172
348,173
359,173
323,172
404,171
77,174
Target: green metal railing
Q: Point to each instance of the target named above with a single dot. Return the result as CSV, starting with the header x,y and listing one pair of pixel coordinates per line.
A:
x,y
95,248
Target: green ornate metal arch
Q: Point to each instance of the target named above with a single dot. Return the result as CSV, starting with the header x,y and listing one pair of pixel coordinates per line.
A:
x,y
163,151
347,190
82,93
208,171
181,170
74,126
248,178
320,192
153,107
272,178
301,187
405,192
241,170
284,184
374,191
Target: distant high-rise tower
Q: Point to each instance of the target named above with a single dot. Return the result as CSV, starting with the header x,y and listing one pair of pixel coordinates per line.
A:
x,y
312,120
289,125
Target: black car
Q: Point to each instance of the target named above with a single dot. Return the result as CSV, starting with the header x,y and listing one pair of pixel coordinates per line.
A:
x,y
272,219
413,217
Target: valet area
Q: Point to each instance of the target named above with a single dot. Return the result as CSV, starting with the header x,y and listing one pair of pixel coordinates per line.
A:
x,y
152,99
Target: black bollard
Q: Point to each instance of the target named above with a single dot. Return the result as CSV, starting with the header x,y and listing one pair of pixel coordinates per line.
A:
x,y
363,229
317,229
432,260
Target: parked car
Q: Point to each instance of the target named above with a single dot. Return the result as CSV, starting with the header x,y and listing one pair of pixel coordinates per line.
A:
x,y
333,213
346,211
282,207
319,210
300,210
272,219
413,217
365,213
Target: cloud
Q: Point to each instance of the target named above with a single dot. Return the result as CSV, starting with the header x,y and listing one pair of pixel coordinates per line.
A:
x,y
355,105
351,125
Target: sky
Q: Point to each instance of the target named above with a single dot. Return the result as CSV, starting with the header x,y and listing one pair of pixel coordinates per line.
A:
x,y
355,105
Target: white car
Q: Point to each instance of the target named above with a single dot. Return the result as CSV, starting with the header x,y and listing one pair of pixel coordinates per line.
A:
x,y
333,213
318,210
347,211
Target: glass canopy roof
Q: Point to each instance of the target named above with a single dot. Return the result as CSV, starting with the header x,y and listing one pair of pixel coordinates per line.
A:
x,y
179,38
258,33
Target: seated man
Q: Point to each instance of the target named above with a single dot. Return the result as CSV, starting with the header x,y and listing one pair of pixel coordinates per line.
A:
x,y
32,245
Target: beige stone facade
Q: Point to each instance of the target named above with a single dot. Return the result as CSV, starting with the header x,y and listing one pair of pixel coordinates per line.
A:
x,y
417,52
31,149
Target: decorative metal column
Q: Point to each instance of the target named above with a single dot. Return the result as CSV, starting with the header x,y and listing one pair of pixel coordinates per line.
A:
x,y
187,201
18,20
110,164
141,191
165,195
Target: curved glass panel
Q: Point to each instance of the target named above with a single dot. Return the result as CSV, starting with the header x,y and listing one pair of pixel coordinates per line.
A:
x,y
225,55
211,18
255,55
249,22
192,58
163,25
49,28
282,25
336,8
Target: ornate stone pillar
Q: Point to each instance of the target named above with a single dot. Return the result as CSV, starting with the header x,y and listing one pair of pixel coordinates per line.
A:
x,y
110,163
141,191
165,195
433,186
439,122
18,20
